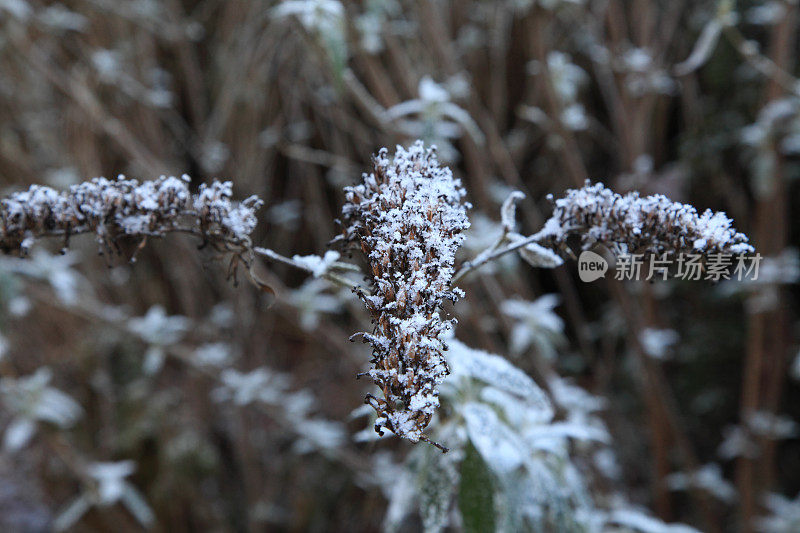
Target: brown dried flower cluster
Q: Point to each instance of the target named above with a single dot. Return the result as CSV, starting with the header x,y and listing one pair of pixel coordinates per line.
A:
x,y
633,224
407,217
125,207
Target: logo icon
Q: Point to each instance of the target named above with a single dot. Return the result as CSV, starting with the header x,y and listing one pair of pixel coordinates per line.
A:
x,y
591,266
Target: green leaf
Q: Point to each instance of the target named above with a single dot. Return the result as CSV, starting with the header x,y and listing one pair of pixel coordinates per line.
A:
x,y
476,493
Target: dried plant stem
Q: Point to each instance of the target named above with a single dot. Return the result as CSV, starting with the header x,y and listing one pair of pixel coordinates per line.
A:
x,y
768,336
330,276
492,254
660,399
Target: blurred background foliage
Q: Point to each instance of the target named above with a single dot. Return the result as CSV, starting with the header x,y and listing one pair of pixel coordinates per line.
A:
x,y
194,404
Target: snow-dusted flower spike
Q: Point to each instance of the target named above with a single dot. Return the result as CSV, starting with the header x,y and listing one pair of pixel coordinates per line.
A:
x,y
407,217
113,208
632,224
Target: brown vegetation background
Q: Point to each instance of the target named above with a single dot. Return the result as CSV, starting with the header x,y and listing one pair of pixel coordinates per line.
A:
x,y
231,90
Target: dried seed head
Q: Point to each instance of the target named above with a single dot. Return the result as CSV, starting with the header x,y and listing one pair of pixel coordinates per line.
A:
x,y
632,224
408,217
113,208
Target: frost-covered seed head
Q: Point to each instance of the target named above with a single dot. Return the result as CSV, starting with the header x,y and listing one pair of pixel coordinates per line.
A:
x,y
632,224
113,208
407,217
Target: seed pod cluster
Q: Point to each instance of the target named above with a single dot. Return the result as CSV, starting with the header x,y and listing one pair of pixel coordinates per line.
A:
x,y
632,224
114,208
408,218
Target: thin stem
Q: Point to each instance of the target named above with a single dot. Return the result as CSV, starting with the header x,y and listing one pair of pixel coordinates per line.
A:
x,y
330,276
484,258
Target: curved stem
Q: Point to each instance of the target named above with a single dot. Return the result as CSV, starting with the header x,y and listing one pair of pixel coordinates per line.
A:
x,y
493,254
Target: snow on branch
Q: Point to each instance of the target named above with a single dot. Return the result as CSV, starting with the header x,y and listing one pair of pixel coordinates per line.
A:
x,y
126,207
633,224
407,217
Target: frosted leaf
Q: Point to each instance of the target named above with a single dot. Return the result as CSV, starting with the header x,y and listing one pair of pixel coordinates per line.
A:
x,y
518,411
19,306
298,404
57,270
318,435
260,384
656,342
482,234
437,483
561,430
430,91
316,15
567,77
768,13
136,504
772,426
18,432
795,370
315,264
31,399
56,407
783,517
59,17
438,116
216,354
535,254
536,324
73,512
108,487
498,445
110,478
637,59
18,8
159,329
286,214
312,299
154,359
401,499
508,212
606,462
639,521
3,346
574,398
497,372
708,478
543,496
737,443
574,117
